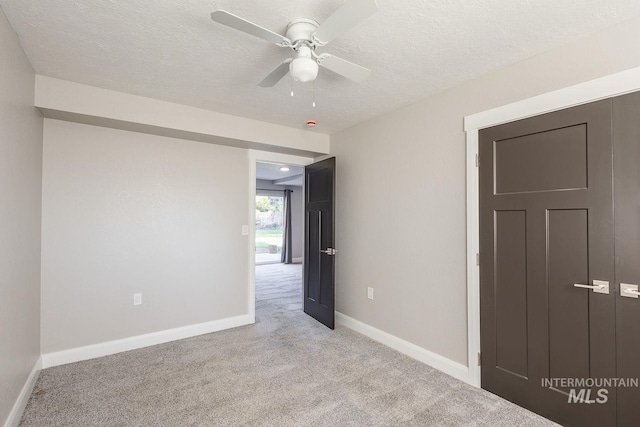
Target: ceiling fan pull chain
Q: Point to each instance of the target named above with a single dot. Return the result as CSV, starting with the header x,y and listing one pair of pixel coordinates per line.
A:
x,y
314,94
291,86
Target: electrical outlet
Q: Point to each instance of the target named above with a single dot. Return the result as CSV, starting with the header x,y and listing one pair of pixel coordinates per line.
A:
x,y
137,299
245,230
370,293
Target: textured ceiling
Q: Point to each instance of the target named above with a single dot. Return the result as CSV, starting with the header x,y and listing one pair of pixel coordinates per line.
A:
x,y
171,50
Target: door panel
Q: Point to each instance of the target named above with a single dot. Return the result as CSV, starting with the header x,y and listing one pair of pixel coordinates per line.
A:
x,y
319,260
546,222
554,159
312,262
568,309
319,183
511,292
626,113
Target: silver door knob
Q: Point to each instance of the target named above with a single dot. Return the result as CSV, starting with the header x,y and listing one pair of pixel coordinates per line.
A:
x,y
599,286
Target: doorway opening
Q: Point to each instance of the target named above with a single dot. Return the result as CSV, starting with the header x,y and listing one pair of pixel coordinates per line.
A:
x,y
279,214
279,237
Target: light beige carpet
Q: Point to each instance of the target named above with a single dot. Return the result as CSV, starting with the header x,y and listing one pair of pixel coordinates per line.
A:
x,y
286,370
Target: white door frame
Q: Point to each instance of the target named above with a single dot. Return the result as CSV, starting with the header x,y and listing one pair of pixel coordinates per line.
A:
x,y
255,157
593,90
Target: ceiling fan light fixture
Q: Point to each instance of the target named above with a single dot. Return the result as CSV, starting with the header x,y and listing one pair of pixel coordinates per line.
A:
x,y
304,68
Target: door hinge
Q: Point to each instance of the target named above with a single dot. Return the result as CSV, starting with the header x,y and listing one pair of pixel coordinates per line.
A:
x,y
477,259
477,160
479,359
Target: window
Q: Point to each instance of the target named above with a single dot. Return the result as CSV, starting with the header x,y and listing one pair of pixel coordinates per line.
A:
x,y
269,225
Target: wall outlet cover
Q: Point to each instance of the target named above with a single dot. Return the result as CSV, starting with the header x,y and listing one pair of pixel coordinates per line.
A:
x,y
137,299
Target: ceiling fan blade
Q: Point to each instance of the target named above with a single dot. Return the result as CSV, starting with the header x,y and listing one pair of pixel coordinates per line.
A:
x,y
276,75
233,21
344,68
343,19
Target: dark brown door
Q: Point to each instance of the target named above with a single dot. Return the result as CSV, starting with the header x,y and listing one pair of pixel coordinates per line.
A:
x,y
319,254
626,136
546,224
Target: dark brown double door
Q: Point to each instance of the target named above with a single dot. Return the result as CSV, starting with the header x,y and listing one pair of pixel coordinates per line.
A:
x,y
550,220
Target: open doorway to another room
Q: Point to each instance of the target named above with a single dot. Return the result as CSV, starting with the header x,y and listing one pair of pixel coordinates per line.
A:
x,y
279,214
279,238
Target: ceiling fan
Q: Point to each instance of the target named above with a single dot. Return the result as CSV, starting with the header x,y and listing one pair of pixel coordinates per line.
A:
x,y
303,36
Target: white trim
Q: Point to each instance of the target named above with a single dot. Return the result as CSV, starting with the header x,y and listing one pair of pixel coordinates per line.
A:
x,y
473,270
140,341
582,93
297,260
263,157
434,360
23,398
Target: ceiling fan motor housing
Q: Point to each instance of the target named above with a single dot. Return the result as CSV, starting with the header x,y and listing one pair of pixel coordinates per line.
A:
x,y
302,30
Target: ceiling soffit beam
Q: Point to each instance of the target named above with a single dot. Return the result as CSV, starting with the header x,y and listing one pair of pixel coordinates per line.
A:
x,y
64,100
284,181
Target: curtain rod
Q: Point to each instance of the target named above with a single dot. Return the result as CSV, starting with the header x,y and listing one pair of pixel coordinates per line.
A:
x,y
271,189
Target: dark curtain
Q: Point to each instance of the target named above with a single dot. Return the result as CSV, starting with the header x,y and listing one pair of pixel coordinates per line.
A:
x,y
286,235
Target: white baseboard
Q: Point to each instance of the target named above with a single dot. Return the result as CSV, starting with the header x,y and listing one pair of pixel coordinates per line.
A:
x,y
297,260
434,360
23,398
140,341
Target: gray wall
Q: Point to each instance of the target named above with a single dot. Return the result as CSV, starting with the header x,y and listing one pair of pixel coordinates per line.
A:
x,y
401,213
125,212
20,214
297,212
